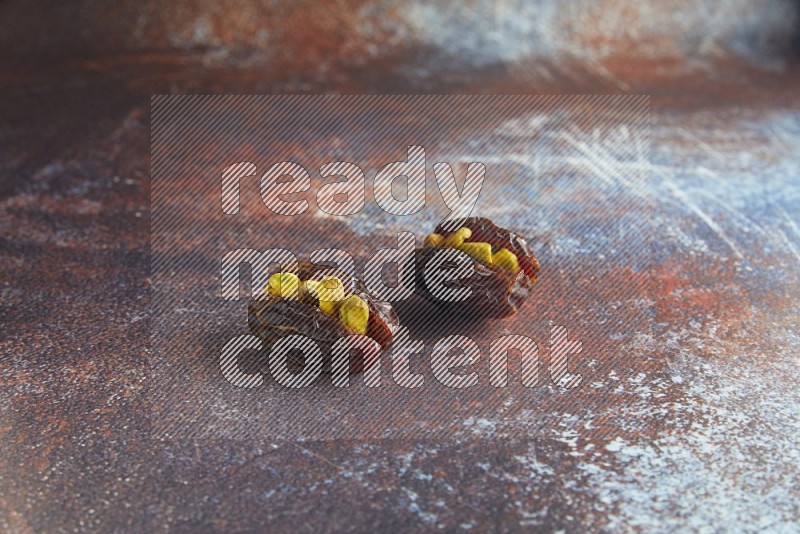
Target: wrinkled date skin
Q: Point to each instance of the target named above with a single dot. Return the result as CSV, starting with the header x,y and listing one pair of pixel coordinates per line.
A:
x,y
496,292
273,318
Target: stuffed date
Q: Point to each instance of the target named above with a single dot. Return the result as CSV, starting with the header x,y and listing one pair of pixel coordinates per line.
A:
x,y
503,271
307,299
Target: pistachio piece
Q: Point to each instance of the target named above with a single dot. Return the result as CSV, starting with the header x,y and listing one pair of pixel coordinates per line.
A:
x,y
481,252
272,319
354,313
504,268
457,237
330,292
507,260
285,285
433,241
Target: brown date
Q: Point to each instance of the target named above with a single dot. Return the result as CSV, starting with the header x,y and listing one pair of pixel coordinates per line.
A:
x,y
496,291
272,318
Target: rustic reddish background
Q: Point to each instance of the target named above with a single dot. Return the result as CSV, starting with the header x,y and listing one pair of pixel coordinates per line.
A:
x,y
716,446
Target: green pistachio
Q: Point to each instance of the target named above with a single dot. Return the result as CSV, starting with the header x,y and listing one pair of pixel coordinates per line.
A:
x,y
354,313
457,237
477,251
329,291
507,260
285,285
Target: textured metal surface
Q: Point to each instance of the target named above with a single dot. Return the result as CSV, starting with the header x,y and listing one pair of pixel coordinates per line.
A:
x,y
536,183
704,433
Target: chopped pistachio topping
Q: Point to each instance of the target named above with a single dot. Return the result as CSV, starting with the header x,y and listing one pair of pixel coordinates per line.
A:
x,y
330,292
433,241
477,251
284,285
354,313
507,260
457,237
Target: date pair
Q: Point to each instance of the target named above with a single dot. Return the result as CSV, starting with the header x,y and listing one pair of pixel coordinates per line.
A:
x,y
495,273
